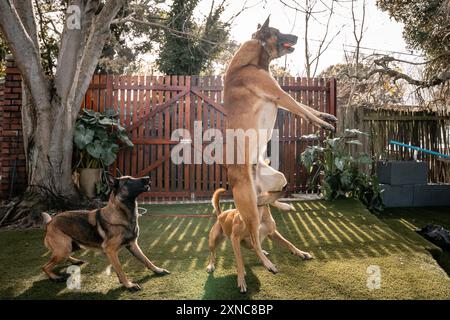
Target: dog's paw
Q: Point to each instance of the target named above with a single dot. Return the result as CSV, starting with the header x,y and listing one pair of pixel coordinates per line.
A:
x,y
271,267
284,206
161,271
328,117
328,127
302,254
210,268
133,287
241,284
265,253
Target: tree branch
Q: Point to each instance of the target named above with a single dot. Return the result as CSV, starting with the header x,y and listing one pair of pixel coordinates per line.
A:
x,y
25,53
164,27
384,69
99,33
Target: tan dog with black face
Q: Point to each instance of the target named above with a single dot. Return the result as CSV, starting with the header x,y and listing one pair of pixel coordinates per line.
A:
x,y
230,224
109,228
251,99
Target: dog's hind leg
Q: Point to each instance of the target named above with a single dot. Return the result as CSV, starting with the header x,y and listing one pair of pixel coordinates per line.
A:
x,y
276,236
236,243
216,236
60,246
244,196
138,254
48,267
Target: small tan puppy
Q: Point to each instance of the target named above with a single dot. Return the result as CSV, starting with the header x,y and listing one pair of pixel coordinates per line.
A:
x,y
230,224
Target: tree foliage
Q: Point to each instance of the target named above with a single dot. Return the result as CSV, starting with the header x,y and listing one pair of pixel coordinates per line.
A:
x,y
426,28
189,54
4,50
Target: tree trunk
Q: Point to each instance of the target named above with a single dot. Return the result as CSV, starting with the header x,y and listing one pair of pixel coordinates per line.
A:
x,y
49,111
48,150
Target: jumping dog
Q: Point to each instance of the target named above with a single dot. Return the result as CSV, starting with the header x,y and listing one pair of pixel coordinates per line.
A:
x,y
251,99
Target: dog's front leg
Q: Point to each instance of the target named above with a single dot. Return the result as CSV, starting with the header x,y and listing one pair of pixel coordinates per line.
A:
x,y
138,254
276,236
273,92
111,252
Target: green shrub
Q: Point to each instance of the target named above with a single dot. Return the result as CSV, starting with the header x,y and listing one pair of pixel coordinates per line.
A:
x,y
96,138
340,171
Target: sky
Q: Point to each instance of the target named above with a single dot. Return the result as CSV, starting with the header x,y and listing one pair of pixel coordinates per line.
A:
x,y
382,34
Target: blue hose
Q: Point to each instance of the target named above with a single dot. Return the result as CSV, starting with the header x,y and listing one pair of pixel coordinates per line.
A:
x,y
419,149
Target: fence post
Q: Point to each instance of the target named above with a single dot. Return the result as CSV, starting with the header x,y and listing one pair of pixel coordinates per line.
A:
x,y
13,178
333,96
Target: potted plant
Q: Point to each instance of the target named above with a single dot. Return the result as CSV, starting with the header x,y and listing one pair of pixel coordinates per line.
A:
x,y
96,139
340,172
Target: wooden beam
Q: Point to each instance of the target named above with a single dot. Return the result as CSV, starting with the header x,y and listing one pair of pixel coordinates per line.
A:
x,y
405,118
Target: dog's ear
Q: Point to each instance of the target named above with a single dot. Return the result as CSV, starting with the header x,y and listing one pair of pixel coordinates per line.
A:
x,y
262,30
112,181
265,24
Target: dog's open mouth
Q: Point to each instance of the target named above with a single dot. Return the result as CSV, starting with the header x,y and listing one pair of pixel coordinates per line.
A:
x,y
288,46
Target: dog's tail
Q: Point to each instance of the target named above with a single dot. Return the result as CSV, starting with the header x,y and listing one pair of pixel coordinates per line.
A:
x,y
46,218
215,200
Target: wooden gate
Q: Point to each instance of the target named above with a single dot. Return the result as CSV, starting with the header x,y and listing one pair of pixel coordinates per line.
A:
x,y
152,107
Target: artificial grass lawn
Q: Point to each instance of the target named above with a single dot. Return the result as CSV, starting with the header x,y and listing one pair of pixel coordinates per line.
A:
x,y
343,237
407,220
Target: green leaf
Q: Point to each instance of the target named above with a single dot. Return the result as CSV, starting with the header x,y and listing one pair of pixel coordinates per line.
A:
x,y
101,134
107,122
95,149
339,162
82,136
332,142
357,142
364,159
109,153
310,137
123,137
348,132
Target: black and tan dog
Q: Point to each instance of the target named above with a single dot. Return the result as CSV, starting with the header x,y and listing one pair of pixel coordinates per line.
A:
x,y
230,224
251,99
109,228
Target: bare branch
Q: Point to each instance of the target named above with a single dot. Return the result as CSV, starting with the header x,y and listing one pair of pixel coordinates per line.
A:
x,y
384,69
164,27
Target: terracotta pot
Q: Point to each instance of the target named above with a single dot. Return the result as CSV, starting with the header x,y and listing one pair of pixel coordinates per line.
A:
x,y
88,179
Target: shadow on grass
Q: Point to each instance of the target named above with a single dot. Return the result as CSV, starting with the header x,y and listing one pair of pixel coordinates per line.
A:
x,y
46,289
226,287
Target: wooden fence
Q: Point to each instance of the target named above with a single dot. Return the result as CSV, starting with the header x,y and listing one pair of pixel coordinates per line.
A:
x,y
152,107
429,130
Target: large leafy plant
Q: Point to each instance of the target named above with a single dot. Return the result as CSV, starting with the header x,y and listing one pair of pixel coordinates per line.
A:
x,y
97,136
340,172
